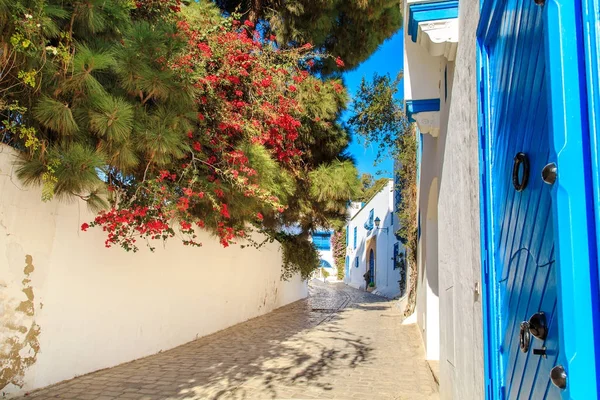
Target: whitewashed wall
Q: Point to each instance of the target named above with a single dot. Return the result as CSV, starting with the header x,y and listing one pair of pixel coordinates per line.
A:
x,y
69,306
386,277
423,82
461,356
448,299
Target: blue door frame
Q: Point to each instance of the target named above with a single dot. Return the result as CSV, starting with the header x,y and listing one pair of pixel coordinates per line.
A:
x,y
571,60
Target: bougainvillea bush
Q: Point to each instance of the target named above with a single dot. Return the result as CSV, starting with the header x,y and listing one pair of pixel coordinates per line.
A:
x,y
167,117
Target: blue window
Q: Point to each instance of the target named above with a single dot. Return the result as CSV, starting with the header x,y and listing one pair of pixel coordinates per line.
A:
x,y
347,236
369,223
322,240
356,262
355,231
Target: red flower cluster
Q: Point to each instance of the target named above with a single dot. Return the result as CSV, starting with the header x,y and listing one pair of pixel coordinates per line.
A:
x,y
243,99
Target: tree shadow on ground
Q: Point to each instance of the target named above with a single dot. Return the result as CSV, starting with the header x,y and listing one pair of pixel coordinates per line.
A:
x,y
292,348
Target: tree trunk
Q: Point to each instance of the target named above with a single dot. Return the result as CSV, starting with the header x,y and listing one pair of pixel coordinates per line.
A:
x,y
255,10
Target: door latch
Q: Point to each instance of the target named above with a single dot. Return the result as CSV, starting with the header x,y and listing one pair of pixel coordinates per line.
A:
x,y
537,327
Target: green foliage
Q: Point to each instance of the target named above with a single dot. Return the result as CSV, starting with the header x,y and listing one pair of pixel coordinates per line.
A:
x,y
372,189
377,115
378,118
101,97
352,30
407,181
299,256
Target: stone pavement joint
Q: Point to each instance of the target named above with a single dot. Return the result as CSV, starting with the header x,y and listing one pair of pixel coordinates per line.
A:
x,y
340,343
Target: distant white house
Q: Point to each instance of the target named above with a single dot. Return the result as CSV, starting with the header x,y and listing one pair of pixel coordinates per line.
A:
x,y
322,241
371,245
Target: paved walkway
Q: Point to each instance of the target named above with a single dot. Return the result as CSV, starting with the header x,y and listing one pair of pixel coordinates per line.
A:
x,y
340,343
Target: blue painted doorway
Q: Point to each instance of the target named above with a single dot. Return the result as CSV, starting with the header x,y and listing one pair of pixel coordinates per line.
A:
x,y
537,224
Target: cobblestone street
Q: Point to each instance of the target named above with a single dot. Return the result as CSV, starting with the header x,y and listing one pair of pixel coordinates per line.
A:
x,y
340,343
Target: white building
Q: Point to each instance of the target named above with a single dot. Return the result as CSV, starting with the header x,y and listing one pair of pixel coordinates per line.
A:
x,y
372,247
322,241
505,100
440,95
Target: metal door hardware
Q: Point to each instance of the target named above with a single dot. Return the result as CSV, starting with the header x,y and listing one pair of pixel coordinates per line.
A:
x,y
538,326
558,376
549,173
524,337
520,162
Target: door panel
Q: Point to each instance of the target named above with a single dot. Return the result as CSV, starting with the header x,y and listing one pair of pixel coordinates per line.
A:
x,y
539,95
523,220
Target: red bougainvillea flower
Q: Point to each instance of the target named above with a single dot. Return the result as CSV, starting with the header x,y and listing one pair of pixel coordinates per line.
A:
x,y
85,226
339,62
186,226
240,104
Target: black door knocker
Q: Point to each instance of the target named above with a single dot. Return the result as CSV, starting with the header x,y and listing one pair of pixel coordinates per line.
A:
x,y
520,182
524,337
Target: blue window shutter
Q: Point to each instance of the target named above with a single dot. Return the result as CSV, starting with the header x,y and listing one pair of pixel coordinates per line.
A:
x,y
355,233
322,240
347,236
356,262
396,251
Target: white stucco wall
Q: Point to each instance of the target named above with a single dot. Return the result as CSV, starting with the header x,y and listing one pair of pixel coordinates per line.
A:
x,y
461,355
424,82
448,300
72,306
418,67
386,277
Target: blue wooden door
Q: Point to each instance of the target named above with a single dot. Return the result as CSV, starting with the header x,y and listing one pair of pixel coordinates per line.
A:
x,y
535,233
523,228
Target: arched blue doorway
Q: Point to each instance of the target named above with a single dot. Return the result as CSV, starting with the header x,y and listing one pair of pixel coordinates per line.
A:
x,y
372,266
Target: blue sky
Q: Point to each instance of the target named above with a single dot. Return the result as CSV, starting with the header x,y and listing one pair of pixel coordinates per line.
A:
x,y
387,59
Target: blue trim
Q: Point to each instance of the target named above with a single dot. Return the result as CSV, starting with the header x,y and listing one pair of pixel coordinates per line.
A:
x,y
576,244
417,106
369,223
591,34
489,299
423,12
325,264
355,235
574,227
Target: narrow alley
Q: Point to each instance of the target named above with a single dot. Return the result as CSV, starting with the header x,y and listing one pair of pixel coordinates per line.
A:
x,y
340,343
